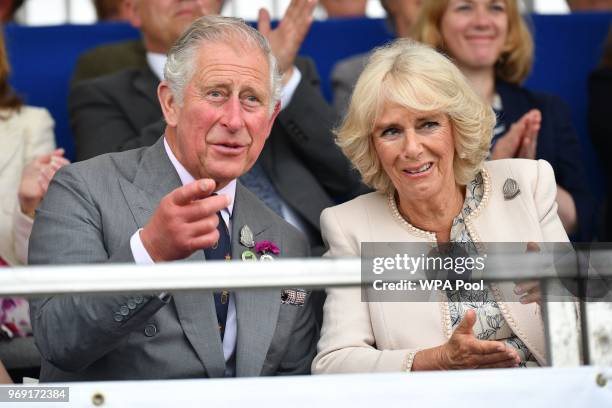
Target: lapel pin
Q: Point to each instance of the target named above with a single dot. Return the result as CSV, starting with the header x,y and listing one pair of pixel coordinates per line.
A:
x,y
246,237
511,189
248,256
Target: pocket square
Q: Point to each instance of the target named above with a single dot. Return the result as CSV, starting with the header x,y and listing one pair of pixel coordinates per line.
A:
x,y
295,297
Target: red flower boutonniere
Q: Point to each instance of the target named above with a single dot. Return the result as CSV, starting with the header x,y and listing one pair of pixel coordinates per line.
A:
x,y
265,248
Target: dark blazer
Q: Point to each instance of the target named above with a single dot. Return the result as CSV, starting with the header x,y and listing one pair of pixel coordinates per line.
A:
x,y
557,143
109,58
300,157
600,128
90,211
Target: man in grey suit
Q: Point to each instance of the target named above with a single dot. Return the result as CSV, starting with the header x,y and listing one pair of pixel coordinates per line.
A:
x,y
301,168
220,97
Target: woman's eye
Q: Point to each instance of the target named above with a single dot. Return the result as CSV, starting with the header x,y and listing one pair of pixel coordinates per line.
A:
x,y
391,131
430,124
463,7
498,7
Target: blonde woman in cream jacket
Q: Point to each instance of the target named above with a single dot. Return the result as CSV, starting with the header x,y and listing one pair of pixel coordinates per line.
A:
x,y
419,136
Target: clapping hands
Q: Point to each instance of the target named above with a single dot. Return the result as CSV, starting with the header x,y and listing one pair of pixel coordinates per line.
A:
x,y
36,177
286,39
521,140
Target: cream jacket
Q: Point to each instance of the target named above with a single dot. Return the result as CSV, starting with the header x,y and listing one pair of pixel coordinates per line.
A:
x,y
384,336
23,136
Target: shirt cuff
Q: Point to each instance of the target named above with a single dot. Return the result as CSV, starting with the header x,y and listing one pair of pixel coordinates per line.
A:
x,y
142,257
289,89
140,254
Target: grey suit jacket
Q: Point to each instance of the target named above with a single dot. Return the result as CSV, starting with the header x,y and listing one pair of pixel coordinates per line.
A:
x,y
344,77
89,213
121,111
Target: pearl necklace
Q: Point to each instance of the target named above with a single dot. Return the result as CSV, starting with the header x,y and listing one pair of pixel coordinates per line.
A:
x,y
430,235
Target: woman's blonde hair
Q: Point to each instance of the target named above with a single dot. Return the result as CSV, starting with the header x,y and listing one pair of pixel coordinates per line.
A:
x,y
418,78
516,59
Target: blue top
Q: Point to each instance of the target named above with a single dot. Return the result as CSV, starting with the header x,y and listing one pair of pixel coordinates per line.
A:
x,y
557,143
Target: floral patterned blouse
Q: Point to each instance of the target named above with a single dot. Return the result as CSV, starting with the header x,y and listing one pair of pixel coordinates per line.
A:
x,y
14,316
490,323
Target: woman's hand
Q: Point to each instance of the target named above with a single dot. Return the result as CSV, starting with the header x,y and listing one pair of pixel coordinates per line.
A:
x,y
521,140
464,351
529,144
36,177
529,289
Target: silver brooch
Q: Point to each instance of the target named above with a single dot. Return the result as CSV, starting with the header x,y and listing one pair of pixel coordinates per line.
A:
x,y
246,237
511,189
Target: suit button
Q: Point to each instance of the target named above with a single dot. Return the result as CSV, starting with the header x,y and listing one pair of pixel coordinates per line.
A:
x,y
138,299
117,317
150,330
131,304
124,311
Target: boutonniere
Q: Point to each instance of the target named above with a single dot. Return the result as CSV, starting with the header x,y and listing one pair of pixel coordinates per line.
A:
x,y
263,248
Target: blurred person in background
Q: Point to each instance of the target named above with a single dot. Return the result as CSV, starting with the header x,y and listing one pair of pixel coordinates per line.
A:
x,y
401,15
590,5
600,126
158,33
28,161
491,44
8,8
111,10
419,135
344,8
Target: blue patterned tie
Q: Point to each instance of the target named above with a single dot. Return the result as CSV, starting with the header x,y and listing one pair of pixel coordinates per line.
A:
x,y
222,250
258,182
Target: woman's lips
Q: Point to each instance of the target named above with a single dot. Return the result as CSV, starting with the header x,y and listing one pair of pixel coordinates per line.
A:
x,y
419,171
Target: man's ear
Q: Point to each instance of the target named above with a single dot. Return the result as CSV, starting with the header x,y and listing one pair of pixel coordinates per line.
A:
x,y
169,104
273,116
130,7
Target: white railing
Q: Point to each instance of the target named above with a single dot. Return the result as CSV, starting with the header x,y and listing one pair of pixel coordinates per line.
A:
x,y
463,387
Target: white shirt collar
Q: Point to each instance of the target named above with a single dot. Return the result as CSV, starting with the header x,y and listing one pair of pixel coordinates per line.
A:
x,y
186,178
156,63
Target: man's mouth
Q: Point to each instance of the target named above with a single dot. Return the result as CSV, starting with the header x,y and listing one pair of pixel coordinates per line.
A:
x,y
230,148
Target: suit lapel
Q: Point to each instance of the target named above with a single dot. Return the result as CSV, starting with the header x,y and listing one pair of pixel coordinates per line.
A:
x,y
155,178
257,309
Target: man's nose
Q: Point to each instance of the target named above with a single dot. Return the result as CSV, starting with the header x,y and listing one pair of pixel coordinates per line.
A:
x,y
232,114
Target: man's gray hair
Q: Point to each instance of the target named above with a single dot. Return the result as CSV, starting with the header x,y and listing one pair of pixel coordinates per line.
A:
x,y
180,65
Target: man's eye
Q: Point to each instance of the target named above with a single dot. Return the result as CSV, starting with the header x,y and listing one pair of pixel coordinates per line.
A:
x,y
215,94
252,100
